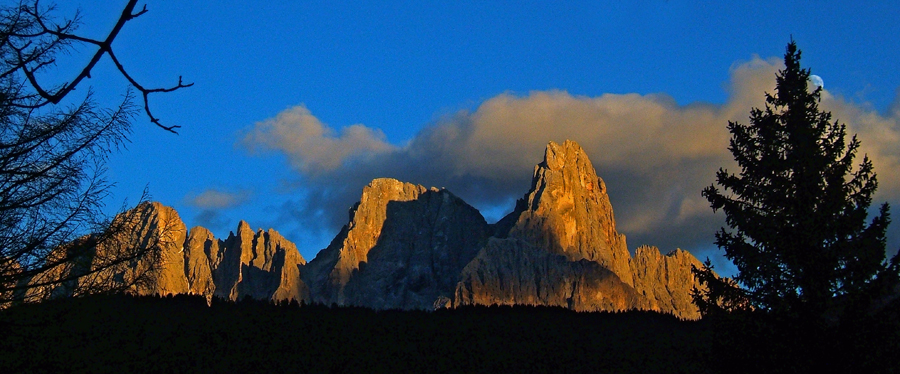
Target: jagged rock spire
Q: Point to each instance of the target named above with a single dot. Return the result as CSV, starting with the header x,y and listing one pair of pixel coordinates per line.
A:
x,y
568,212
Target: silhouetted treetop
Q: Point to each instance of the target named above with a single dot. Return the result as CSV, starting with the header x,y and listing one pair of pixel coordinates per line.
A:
x,y
797,209
30,39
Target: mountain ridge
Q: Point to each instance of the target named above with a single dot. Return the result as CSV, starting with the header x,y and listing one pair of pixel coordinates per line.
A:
x,y
406,246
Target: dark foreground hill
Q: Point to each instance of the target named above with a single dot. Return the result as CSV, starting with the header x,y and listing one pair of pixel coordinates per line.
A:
x,y
182,334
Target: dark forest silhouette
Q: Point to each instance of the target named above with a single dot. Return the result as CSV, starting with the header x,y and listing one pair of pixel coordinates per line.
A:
x,y
122,333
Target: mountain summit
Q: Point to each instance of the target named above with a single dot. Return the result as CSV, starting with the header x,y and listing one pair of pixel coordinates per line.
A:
x,y
560,247
407,246
410,247
404,247
567,212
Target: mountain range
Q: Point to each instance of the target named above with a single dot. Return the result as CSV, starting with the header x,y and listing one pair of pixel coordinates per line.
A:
x,y
410,247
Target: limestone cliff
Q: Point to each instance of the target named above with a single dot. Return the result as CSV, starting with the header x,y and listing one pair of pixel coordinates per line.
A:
x,y
404,247
512,271
568,212
261,265
666,281
562,248
197,249
273,271
141,252
149,225
234,252
286,259
332,268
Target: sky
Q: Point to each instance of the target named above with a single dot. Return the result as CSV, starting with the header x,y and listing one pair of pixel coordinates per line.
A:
x,y
298,105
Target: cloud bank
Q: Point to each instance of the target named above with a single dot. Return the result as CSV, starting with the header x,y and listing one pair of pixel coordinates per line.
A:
x,y
654,154
312,147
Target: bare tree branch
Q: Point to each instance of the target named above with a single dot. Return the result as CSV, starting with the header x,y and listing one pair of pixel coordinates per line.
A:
x,y
55,239
29,61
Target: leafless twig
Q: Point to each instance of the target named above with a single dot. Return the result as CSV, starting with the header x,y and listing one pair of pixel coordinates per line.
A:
x,y
31,56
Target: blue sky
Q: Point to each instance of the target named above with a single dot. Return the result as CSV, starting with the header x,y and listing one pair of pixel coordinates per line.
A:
x,y
296,105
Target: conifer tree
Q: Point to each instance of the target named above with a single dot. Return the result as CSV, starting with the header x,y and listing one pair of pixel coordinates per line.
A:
x,y
800,236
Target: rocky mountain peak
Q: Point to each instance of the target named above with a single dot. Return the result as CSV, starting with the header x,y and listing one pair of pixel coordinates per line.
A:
x,y
148,225
330,271
403,248
368,217
568,156
152,223
261,264
568,212
243,228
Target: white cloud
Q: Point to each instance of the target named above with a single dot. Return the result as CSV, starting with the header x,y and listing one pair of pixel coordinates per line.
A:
x,y
311,146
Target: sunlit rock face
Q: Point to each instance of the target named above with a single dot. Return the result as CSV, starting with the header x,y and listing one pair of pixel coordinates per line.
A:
x,y
568,212
560,245
199,245
262,265
511,272
666,281
111,262
404,247
286,263
153,224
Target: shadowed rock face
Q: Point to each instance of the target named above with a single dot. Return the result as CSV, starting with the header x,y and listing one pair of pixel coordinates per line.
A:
x,y
233,253
261,265
333,267
403,248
